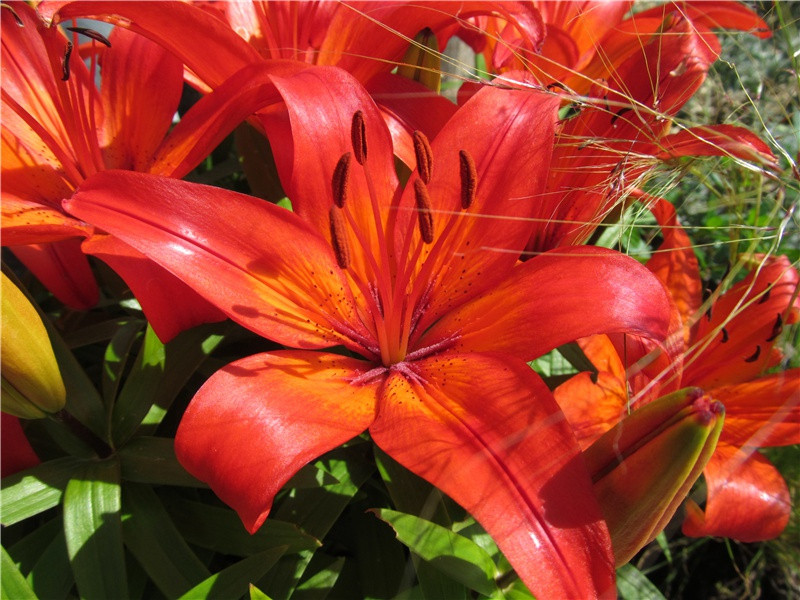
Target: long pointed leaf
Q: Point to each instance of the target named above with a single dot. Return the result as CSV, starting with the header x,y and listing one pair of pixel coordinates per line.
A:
x,y
12,582
236,579
93,530
34,490
457,556
154,540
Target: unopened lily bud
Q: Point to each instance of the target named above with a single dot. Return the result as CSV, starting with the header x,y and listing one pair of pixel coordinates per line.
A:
x,y
422,61
31,381
643,468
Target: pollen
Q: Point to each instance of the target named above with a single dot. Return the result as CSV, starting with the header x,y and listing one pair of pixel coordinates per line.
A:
x,y
469,179
339,237
424,210
341,180
424,155
358,137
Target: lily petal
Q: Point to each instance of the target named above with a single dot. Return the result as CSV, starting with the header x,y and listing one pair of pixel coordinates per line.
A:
x,y
25,222
320,103
63,269
716,140
136,120
485,430
558,297
674,262
213,56
476,247
734,341
747,498
266,269
257,421
762,412
16,453
155,288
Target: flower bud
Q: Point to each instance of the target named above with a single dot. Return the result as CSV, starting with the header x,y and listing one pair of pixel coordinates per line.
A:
x,y
422,61
31,381
643,468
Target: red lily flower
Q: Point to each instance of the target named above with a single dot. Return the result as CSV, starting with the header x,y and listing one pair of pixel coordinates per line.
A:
x,y
421,284
622,131
58,128
728,347
626,79
367,39
16,453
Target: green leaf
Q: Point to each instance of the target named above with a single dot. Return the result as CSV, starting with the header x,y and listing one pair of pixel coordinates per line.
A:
x,y
317,509
42,554
140,388
632,584
12,583
34,490
51,576
257,594
452,554
116,358
235,581
158,375
93,530
319,585
152,460
154,540
221,530
97,332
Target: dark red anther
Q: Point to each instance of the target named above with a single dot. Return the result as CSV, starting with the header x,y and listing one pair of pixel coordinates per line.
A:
x,y
65,62
13,13
339,237
777,328
341,180
754,356
469,179
424,211
422,151
724,336
358,137
767,292
91,34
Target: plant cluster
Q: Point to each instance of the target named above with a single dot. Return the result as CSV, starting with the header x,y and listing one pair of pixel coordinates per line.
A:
x,y
299,302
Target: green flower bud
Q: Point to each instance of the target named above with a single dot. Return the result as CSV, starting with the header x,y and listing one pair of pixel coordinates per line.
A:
x,y
31,381
643,467
422,61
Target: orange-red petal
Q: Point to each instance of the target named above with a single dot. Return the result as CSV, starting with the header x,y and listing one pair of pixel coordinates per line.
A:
x,y
257,421
486,431
260,264
747,498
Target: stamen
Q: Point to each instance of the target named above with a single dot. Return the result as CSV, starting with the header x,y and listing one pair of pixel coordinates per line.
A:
x,y
339,238
469,179
724,336
424,211
767,292
556,84
13,12
777,328
92,34
444,344
341,180
619,113
65,62
753,357
368,376
422,150
358,136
